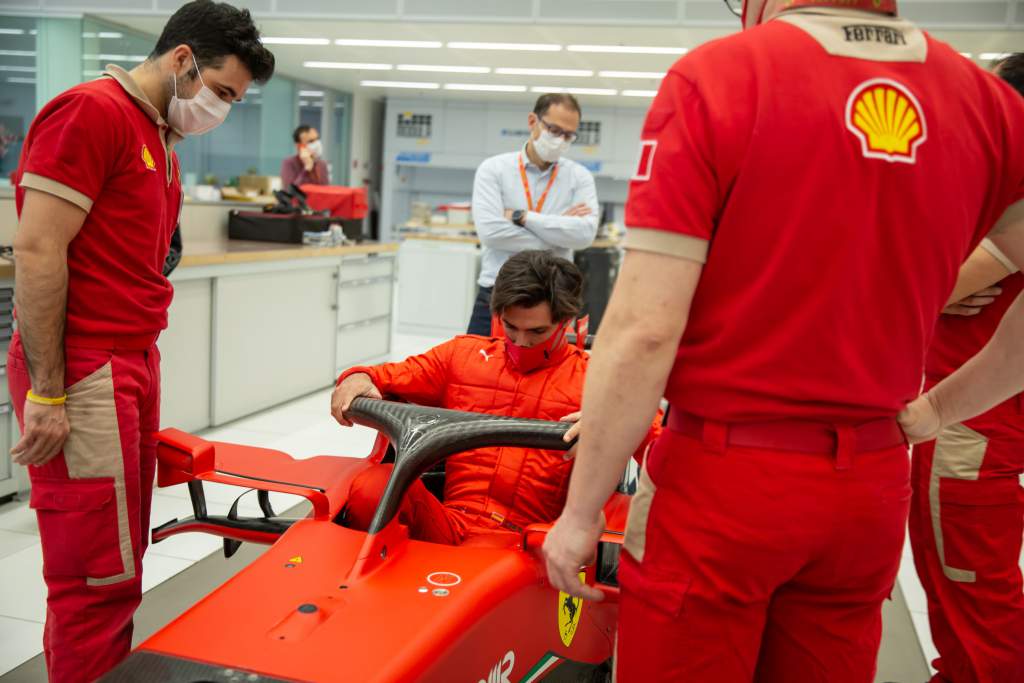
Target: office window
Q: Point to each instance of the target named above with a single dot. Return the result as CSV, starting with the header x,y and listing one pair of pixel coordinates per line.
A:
x,y
17,88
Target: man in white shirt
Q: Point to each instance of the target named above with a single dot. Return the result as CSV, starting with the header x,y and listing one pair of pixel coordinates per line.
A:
x,y
532,198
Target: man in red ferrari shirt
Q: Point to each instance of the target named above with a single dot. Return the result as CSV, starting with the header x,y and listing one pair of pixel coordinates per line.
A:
x,y
529,372
967,513
794,231
98,197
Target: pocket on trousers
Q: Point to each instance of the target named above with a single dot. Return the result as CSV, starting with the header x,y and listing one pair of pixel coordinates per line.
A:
x,y
78,525
981,523
662,591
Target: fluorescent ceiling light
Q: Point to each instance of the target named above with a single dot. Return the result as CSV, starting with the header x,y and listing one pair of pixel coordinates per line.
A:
x,y
966,54
22,69
116,58
18,79
516,71
484,88
413,85
628,49
282,40
526,47
311,93
355,66
639,93
12,31
444,69
103,34
17,53
361,42
575,91
93,72
986,56
632,74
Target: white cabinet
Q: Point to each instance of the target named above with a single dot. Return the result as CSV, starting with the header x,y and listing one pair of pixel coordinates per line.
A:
x,y
436,286
365,295
274,337
185,348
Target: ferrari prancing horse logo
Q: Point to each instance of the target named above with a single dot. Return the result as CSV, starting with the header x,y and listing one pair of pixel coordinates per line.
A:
x,y
569,610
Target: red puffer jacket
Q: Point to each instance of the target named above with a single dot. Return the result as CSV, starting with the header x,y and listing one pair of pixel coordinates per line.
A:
x,y
495,487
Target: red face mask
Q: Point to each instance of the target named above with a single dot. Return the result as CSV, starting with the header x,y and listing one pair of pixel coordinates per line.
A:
x,y
529,359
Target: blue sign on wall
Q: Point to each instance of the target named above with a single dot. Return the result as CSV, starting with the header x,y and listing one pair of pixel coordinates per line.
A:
x,y
592,166
413,157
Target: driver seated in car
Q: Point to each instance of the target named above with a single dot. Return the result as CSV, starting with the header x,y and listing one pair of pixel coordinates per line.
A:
x,y
531,372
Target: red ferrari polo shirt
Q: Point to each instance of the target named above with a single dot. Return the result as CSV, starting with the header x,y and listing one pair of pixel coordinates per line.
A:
x,y
833,169
104,147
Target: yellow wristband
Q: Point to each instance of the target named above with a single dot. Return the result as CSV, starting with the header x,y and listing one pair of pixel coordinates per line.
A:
x,y
43,400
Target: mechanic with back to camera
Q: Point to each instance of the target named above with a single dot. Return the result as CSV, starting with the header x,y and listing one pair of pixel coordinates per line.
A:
x,y
794,233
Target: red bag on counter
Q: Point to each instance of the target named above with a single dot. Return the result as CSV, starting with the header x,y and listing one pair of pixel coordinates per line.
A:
x,y
342,202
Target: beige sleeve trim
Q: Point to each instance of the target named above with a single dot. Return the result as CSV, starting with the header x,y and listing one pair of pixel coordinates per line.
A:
x,y
670,243
992,249
44,184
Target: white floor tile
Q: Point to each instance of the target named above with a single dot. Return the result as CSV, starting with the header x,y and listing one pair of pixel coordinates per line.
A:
x,y
22,590
283,420
11,542
157,568
913,592
328,439
20,641
924,634
17,516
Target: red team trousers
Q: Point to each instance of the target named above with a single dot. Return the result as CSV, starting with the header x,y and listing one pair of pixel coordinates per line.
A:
x,y
92,501
748,564
966,527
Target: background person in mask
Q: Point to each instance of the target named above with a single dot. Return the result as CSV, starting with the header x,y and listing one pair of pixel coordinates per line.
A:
x,y
307,166
530,373
533,198
98,196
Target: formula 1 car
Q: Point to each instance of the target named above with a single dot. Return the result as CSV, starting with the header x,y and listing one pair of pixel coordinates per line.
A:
x,y
329,603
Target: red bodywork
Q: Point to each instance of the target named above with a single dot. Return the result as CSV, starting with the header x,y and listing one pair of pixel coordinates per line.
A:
x,y
376,607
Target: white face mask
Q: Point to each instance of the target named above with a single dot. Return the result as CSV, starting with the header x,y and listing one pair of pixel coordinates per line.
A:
x,y
549,147
200,114
316,148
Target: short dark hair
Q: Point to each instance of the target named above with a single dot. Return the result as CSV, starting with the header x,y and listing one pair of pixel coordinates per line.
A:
x,y
299,131
530,278
1011,70
547,100
215,30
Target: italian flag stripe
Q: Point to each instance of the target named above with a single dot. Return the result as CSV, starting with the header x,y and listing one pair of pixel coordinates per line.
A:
x,y
546,664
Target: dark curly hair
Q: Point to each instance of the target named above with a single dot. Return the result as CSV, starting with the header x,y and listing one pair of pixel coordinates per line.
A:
x,y
530,278
1011,70
215,30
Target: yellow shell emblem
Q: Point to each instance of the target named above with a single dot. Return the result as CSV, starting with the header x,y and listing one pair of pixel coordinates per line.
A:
x,y
147,158
569,610
887,119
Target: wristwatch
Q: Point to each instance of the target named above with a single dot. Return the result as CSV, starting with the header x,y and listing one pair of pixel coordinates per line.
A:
x,y
519,217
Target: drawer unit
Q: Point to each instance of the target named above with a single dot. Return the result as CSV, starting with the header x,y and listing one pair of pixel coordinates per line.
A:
x,y
360,300
363,341
8,483
366,267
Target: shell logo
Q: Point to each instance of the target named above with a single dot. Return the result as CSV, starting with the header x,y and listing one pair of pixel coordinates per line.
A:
x,y
888,120
147,158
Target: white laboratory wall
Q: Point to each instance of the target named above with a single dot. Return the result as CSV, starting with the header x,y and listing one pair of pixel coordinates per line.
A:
x,y
437,166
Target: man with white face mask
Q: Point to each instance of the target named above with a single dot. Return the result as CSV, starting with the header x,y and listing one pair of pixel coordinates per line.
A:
x,y
307,166
533,198
98,197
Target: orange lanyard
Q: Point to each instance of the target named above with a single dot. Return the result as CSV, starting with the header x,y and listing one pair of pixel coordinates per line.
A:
x,y
526,186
